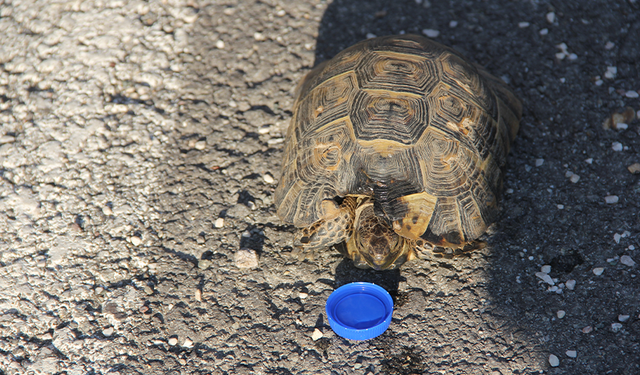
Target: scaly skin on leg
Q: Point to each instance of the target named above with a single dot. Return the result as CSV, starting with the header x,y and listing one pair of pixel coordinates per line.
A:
x,y
375,245
421,250
337,226
424,249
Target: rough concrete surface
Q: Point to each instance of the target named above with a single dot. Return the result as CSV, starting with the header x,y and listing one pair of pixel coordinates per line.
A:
x,y
140,145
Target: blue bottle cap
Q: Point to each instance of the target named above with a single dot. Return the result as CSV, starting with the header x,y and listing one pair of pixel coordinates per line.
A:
x,y
359,311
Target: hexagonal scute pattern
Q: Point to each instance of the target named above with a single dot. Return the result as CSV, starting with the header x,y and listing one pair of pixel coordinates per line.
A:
x,y
394,117
403,72
388,115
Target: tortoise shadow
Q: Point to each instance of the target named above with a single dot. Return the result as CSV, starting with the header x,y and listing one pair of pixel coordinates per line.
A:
x,y
346,273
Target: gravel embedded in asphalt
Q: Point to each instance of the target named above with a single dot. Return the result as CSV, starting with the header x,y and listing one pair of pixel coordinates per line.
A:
x,y
135,146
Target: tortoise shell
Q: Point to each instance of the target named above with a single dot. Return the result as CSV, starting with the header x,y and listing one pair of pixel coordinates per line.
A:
x,y
409,124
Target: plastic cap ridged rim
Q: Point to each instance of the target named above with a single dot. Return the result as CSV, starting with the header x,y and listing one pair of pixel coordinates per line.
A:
x,y
359,311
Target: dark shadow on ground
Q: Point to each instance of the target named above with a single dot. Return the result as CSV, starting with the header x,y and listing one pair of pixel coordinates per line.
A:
x,y
346,273
548,218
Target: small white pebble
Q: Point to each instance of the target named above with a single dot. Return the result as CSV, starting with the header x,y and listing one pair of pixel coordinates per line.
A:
x,y
627,261
554,361
107,210
563,47
198,295
259,36
573,56
265,129
551,17
568,174
598,271
598,82
523,25
615,327
135,240
246,258
575,178
616,146
570,284
453,24
571,353
563,80
589,161
371,35
609,46
539,162
611,199
173,341
509,191
623,318
317,335
546,268
561,55
554,289
621,126
302,295
544,32
187,343
545,277
617,237
108,331
631,247
431,33
219,223
561,314
7,139
220,44
611,72
587,329
268,178
246,234
200,145
561,206
631,94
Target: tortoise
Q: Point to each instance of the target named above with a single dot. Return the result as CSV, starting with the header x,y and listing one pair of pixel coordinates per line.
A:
x,y
396,150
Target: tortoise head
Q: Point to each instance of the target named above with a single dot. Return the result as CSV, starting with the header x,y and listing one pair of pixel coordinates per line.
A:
x,y
374,243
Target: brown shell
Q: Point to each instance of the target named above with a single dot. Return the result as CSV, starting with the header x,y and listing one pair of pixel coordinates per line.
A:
x,y
409,122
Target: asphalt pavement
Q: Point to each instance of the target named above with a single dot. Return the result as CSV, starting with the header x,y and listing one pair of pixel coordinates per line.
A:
x,y
141,143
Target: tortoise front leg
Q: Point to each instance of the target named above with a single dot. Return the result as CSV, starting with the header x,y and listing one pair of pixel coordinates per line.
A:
x,y
424,249
337,226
